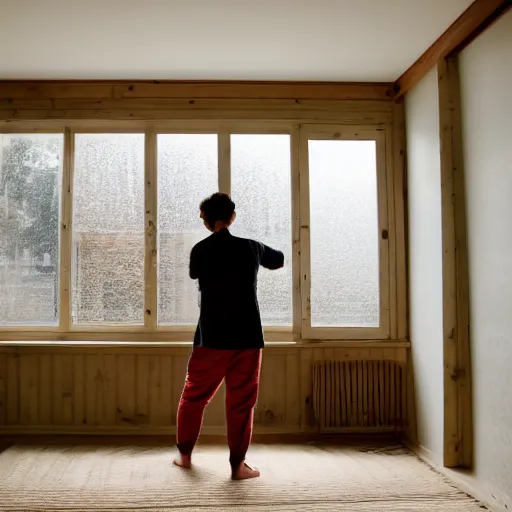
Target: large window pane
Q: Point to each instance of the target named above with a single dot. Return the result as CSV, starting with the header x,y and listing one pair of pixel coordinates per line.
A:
x,y
187,174
30,191
344,233
108,229
261,189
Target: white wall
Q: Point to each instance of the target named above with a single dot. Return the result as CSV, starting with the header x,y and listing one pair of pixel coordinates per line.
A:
x,y
486,87
425,260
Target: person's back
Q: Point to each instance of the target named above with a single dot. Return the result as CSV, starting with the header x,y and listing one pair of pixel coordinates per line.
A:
x,y
227,269
229,335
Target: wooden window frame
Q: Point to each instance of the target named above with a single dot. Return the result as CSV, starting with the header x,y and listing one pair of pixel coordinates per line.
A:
x,y
301,330
339,132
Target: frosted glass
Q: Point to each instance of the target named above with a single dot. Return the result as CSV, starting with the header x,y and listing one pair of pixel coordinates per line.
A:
x,y
344,234
30,192
187,174
108,229
261,189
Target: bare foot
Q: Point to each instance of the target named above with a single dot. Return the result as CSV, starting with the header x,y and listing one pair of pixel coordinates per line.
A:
x,y
183,461
244,472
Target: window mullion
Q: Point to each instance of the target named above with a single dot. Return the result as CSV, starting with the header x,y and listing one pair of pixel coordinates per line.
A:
x,y
150,232
305,249
224,167
296,223
65,251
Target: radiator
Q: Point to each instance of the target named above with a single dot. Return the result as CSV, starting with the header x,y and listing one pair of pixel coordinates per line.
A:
x,y
358,394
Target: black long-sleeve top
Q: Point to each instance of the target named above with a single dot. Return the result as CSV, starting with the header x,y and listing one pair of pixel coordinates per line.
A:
x,y
227,268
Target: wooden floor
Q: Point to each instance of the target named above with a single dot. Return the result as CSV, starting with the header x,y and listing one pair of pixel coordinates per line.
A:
x,y
316,477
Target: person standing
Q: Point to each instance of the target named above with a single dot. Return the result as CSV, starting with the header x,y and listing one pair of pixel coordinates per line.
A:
x,y
228,341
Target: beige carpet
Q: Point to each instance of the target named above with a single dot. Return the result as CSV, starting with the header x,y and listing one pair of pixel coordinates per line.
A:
x,y
294,478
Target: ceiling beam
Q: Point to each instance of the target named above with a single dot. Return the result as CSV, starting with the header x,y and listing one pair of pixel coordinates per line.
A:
x,y
471,23
124,89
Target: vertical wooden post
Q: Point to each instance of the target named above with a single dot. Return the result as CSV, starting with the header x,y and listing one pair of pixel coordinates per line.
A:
x,y
305,249
224,159
457,365
383,141
296,219
150,236
392,239
66,232
400,198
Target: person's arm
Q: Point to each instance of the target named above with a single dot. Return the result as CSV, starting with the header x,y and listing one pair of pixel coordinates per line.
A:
x,y
270,258
194,264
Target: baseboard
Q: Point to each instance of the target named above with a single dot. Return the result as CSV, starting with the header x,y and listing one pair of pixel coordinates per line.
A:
x,y
302,438
130,430
463,479
220,430
132,434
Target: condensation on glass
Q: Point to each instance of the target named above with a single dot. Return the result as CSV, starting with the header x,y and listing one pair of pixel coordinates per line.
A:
x,y
30,192
108,229
344,233
261,190
187,174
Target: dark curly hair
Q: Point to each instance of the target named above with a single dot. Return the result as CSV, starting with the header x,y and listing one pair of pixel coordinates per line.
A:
x,y
217,207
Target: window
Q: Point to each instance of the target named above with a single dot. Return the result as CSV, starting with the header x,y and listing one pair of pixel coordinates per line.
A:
x,y
30,193
187,173
108,229
348,290
344,233
318,192
261,189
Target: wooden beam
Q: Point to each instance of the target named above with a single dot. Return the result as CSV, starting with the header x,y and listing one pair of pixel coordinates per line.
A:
x,y
296,268
368,103
456,346
257,90
471,23
392,231
101,89
138,334
400,213
310,116
66,244
393,350
150,232
304,233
